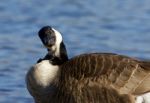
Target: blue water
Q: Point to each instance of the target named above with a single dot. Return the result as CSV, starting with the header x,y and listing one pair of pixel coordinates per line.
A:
x,y
118,26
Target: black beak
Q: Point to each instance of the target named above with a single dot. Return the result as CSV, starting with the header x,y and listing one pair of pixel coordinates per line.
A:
x,y
48,41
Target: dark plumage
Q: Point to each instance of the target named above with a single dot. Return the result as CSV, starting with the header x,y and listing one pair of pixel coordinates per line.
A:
x,y
123,73
90,94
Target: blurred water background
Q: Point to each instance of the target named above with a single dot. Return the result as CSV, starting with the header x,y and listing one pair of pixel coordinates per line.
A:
x,y
118,26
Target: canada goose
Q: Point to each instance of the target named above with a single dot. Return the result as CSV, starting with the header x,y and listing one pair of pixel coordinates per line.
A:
x,y
69,82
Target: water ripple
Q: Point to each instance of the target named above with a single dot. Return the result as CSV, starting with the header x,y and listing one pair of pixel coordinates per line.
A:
x,y
103,26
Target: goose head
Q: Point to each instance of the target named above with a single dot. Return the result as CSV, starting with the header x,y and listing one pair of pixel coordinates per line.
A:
x,y
53,41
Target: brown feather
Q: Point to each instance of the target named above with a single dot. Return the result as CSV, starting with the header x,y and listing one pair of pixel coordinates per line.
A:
x,y
121,72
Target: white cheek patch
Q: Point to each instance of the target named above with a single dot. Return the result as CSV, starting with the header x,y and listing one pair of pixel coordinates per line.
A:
x,y
54,48
58,41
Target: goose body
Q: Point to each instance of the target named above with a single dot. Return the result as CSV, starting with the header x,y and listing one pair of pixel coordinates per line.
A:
x,y
74,81
90,70
87,78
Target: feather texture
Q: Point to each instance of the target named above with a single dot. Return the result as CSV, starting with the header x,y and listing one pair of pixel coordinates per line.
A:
x,y
126,74
96,77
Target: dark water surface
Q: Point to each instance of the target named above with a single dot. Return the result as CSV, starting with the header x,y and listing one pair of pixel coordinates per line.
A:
x,y
119,26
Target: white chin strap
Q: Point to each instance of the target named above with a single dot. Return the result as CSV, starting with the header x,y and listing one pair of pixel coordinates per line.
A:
x,y
58,41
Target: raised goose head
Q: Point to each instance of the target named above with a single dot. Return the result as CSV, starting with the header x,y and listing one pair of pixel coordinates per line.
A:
x,y
52,40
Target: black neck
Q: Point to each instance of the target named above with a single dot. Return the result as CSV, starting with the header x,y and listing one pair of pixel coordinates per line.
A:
x,y
63,52
63,57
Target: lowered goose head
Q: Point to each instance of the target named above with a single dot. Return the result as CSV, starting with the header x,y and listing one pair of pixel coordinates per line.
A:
x,y
52,40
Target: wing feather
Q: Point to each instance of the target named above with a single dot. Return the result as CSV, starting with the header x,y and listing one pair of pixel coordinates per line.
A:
x,y
126,74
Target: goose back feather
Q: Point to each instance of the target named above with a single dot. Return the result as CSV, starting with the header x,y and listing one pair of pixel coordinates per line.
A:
x,y
126,74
